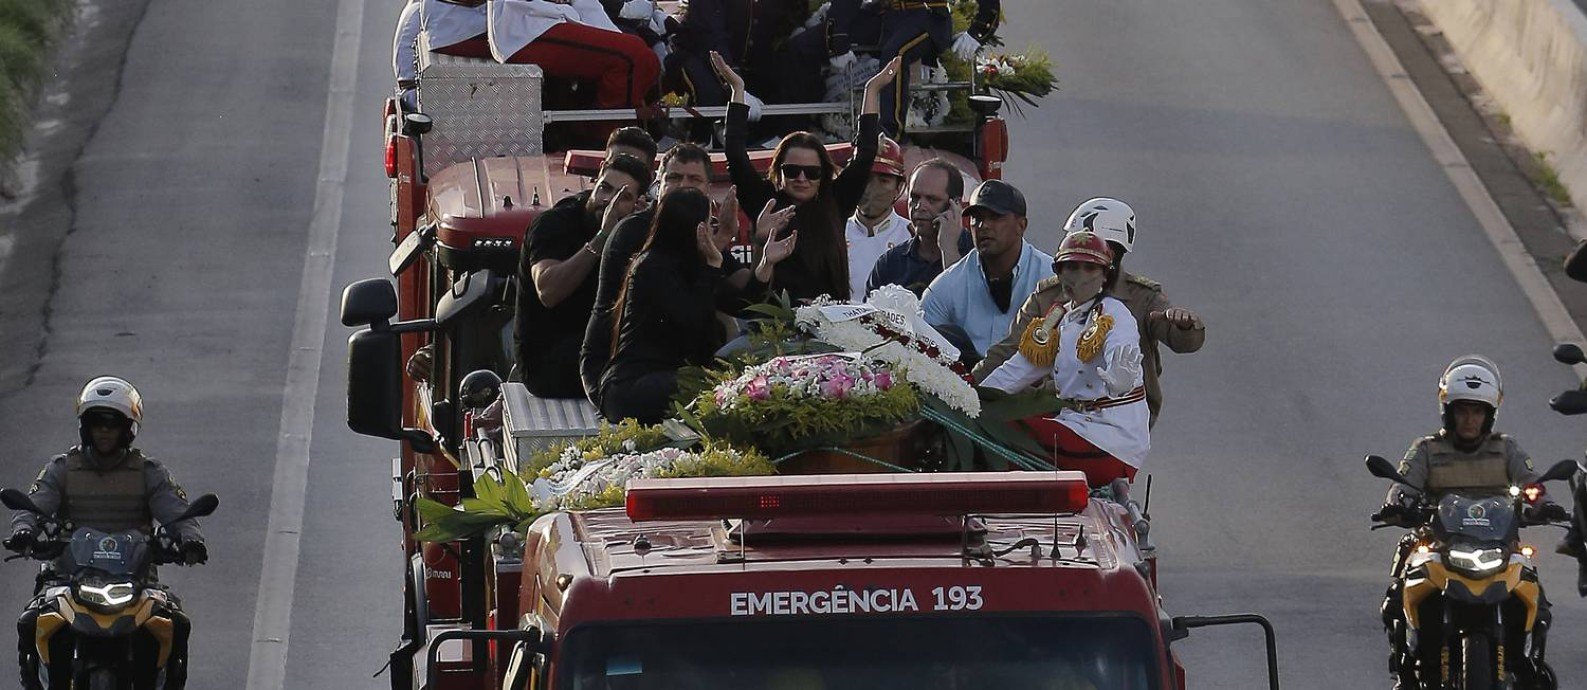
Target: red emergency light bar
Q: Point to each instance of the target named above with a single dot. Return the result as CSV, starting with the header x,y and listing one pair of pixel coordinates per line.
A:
x,y
857,495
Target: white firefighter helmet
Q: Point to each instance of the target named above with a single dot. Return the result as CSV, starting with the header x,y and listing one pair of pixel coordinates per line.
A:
x,y
115,394
1109,218
1473,378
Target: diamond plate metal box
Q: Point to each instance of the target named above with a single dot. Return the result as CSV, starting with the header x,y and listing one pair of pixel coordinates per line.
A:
x,y
481,108
533,424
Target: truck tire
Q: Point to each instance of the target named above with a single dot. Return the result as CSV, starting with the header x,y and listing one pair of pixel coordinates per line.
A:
x,y
1476,663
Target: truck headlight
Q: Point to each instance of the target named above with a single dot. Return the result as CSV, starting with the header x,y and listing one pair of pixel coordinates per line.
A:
x,y
1477,561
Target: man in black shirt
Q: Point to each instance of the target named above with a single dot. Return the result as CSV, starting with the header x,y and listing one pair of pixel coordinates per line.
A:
x,y
685,166
935,188
557,276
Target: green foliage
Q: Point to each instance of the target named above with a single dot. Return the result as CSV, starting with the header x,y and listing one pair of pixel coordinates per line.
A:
x,y
610,439
27,29
496,502
783,423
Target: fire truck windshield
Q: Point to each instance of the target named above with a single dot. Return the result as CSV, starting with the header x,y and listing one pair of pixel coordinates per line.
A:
x,y
908,653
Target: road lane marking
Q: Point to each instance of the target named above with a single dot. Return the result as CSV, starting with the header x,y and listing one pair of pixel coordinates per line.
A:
x,y
272,622
1556,319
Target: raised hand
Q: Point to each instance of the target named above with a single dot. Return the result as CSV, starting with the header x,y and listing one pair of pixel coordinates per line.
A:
x,y
621,206
881,79
730,79
727,219
706,243
770,222
1182,318
777,250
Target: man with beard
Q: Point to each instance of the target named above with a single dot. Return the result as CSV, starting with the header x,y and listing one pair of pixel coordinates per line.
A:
x,y
939,239
875,227
557,276
973,301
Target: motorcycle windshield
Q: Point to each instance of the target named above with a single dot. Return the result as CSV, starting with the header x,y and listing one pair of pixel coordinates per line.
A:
x,y
1480,519
116,553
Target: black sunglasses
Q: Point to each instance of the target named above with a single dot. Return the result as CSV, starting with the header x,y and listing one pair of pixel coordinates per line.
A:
x,y
791,171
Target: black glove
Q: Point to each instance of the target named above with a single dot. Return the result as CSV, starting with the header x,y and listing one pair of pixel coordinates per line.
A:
x,y
20,541
1549,512
194,552
1390,514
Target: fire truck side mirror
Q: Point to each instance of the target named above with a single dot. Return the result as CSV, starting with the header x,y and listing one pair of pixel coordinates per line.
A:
x,y
370,302
374,388
471,292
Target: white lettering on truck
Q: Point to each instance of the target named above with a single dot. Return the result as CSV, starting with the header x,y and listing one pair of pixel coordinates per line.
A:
x,y
846,601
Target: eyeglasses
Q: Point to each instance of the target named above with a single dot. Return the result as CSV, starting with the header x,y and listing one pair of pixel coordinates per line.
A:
x,y
792,172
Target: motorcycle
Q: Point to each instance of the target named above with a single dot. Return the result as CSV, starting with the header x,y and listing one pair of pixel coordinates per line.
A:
x,y
109,627
1468,590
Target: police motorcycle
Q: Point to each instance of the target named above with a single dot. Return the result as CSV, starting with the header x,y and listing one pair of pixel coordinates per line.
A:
x,y
106,625
1468,585
1574,402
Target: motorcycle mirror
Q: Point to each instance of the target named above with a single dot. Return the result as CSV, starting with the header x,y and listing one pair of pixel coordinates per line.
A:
x,y
1569,402
16,500
1564,469
1569,353
1381,468
1576,263
200,507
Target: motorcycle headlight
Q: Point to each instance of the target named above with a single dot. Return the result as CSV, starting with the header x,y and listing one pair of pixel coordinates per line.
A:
x,y
107,595
1477,561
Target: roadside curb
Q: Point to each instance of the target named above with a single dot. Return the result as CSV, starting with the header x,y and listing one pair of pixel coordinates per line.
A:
x,y
1551,310
1531,57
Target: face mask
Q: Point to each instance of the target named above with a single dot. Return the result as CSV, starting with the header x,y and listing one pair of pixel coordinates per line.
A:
x,y
1082,286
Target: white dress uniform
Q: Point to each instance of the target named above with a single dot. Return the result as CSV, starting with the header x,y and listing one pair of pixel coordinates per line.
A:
x,y
1121,430
517,23
405,48
865,248
448,24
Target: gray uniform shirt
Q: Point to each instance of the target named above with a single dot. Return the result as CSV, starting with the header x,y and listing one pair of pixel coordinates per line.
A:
x,y
167,500
1416,467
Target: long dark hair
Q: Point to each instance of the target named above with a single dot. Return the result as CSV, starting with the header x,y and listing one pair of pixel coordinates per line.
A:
x,y
672,234
821,250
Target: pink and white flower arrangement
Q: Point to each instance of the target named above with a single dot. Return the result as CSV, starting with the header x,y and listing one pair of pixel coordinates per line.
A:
x,y
824,376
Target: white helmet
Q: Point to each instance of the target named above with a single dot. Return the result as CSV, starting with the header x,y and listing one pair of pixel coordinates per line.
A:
x,y
1471,378
1111,219
115,394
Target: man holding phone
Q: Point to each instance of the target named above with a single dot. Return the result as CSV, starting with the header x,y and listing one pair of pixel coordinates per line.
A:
x,y
935,188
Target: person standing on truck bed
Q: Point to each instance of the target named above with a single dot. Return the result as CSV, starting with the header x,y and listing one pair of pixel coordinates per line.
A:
x,y
665,314
1160,321
938,240
750,35
685,166
803,176
916,30
577,40
557,276
456,27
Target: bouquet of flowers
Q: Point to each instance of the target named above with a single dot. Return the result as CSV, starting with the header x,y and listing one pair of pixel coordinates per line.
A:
x,y
888,329
1022,77
792,403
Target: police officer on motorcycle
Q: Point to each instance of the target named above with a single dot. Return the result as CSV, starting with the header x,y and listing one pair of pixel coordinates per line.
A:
x,y
1466,455
106,484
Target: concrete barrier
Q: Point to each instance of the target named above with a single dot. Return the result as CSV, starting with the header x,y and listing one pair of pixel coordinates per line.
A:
x,y
1531,57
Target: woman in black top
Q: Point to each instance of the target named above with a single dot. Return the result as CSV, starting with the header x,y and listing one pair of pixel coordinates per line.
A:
x,y
802,175
666,311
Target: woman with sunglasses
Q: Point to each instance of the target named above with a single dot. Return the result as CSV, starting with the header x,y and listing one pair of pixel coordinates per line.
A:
x,y
803,176
665,309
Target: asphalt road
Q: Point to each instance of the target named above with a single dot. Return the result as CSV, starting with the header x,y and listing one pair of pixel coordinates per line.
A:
x,y
1280,192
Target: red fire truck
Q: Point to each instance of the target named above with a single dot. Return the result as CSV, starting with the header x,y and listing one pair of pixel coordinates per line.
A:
x,y
588,600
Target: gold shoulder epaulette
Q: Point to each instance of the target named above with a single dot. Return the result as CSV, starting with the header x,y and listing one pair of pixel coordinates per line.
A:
x,y
1039,342
1095,335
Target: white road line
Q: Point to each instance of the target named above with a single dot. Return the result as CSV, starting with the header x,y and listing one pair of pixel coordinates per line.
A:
x,y
272,622
1556,319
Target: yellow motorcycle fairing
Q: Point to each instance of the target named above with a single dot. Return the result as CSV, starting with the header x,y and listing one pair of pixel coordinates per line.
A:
x,y
139,614
1431,576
